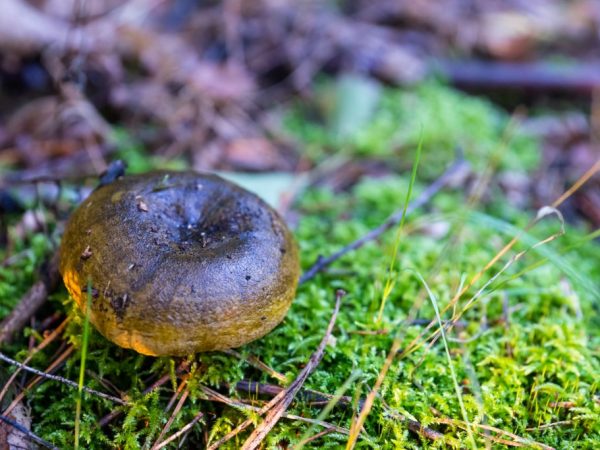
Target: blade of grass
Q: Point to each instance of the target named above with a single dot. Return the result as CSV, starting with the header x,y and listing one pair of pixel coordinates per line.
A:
x,y
543,212
549,255
390,280
463,410
593,235
84,347
417,341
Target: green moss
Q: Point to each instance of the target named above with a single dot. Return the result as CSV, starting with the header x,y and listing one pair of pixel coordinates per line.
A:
x,y
18,272
442,117
528,344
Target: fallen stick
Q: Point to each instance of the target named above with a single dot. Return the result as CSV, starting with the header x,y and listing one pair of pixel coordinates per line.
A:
x,y
63,380
394,219
530,76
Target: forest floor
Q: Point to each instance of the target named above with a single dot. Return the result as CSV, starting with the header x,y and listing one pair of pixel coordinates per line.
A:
x,y
475,322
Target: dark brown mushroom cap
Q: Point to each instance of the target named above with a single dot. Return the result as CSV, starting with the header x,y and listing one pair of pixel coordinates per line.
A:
x,y
179,262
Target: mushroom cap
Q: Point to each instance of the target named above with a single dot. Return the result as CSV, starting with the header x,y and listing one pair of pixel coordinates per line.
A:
x,y
179,262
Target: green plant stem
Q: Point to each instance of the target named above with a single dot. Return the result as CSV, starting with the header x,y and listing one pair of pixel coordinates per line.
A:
x,y
84,346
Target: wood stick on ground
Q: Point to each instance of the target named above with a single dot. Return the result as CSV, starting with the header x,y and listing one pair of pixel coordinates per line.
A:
x,y
424,431
216,397
322,263
180,432
516,440
256,362
537,76
31,301
275,393
63,380
54,365
49,338
270,390
314,437
165,429
277,410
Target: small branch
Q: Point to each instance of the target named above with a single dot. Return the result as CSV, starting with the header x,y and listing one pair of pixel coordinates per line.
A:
x,y
165,429
183,366
322,263
180,432
413,425
424,431
47,340
281,404
516,441
320,434
254,361
31,301
271,390
28,434
214,396
538,76
60,379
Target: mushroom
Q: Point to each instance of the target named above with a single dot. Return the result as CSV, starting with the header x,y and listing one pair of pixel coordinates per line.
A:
x,y
179,263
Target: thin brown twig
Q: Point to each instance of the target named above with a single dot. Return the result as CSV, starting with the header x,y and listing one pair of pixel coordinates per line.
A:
x,y
413,425
516,438
180,388
51,368
47,340
560,423
254,361
281,405
60,379
178,407
246,423
216,397
158,383
184,429
182,392
322,263
270,390
316,436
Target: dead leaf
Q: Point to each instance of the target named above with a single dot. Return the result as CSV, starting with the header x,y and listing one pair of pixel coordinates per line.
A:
x,y
253,154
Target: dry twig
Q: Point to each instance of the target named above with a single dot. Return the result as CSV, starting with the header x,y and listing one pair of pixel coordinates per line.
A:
x,y
60,379
322,263
281,405
39,347
180,432
216,397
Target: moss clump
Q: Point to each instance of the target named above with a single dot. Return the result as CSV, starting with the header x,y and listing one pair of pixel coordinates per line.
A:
x,y
526,354
442,118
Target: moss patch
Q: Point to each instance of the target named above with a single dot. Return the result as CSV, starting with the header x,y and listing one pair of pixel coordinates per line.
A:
x,y
526,353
